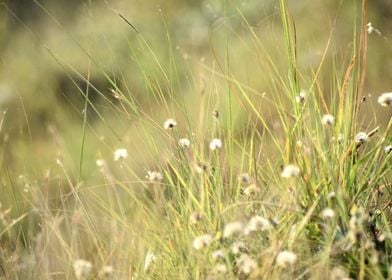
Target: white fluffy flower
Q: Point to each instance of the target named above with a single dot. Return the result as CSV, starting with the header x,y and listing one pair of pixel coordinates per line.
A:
x,y
251,190
202,241
328,119
286,258
327,213
169,124
361,137
184,142
258,223
215,144
331,195
221,269
246,264
82,269
238,247
385,99
290,171
218,255
121,153
154,176
301,97
232,229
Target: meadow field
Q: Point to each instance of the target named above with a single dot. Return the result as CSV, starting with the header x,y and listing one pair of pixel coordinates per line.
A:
x,y
209,139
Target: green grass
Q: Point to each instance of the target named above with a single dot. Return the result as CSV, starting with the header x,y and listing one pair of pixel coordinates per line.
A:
x,y
66,198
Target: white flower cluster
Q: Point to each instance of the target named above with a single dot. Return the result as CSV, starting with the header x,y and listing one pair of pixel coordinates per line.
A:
x,y
290,171
361,137
385,99
169,124
286,258
202,241
184,143
154,176
328,119
215,144
82,269
120,154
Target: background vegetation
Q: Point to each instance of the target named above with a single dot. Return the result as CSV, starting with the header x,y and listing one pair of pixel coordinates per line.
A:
x,y
81,79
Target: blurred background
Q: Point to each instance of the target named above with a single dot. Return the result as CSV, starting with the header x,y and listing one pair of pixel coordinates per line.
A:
x,y
141,62
48,49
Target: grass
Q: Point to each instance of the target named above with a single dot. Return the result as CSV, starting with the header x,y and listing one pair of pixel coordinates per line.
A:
x,y
282,195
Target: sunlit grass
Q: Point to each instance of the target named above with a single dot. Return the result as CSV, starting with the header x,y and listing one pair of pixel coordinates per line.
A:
x,y
223,178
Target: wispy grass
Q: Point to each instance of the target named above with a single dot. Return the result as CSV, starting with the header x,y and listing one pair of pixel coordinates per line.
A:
x,y
266,189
